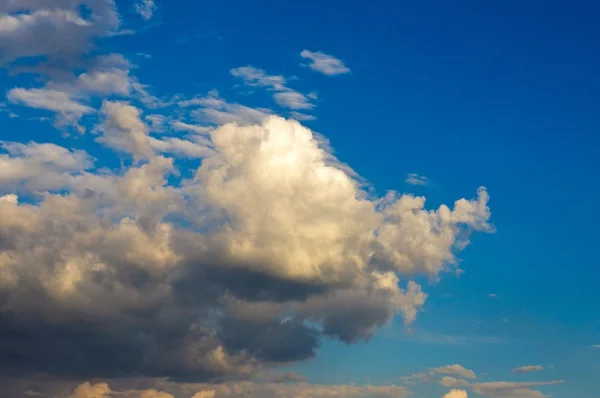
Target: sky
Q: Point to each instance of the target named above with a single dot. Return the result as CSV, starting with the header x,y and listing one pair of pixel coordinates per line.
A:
x,y
299,199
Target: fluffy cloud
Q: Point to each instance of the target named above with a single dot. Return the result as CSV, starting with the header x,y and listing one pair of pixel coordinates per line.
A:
x,y
456,394
263,390
528,369
56,29
123,130
323,63
248,263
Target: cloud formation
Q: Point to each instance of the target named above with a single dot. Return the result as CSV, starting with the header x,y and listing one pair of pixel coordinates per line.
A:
x,y
323,63
248,263
146,8
218,249
528,369
416,179
456,394
284,96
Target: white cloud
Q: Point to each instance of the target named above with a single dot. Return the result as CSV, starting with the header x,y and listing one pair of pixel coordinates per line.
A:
x,y
455,370
69,109
503,389
301,116
528,369
39,167
192,128
456,394
323,63
284,97
292,100
416,179
123,130
216,111
257,77
145,8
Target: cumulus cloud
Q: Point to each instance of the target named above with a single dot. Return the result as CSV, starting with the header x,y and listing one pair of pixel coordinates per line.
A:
x,y
266,248
456,394
528,369
123,130
56,29
237,389
323,63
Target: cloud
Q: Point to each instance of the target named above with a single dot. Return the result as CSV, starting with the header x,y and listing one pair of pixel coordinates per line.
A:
x,y
292,100
56,29
449,381
323,63
124,131
301,116
193,128
455,370
596,346
503,389
236,389
146,8
39,167
69,109
214,110
416,179
284,97
257,77
528,369
456,394
246,263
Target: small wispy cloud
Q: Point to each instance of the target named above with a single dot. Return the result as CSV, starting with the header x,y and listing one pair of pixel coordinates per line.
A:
x,y
417,179
284,96
493,295
596,346
528,369
145,8
324,63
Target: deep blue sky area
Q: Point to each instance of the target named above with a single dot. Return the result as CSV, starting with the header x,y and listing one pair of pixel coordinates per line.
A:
x,y
501,94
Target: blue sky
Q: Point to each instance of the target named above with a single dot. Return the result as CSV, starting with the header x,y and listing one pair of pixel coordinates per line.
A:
x,y
429,98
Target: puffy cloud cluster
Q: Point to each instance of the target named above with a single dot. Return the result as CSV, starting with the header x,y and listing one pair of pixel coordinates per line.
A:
x,y
269,246
237,389
456,394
